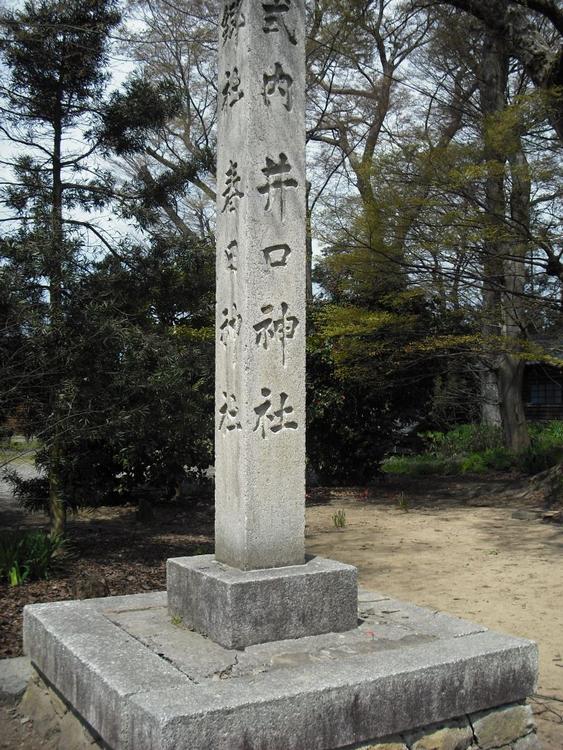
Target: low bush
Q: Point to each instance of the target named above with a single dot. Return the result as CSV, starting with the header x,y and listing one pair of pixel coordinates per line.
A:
x,y
462,440
475,449
29,555
422,465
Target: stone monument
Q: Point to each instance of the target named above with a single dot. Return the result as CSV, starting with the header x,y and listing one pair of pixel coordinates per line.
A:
x,y
260,353
259,647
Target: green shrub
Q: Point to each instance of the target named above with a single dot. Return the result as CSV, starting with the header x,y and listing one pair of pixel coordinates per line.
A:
x,y
422,465
30,555
474,463
476,449
464,439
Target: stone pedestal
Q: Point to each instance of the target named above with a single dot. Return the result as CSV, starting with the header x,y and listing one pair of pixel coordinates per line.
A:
x,y
241,608
141,682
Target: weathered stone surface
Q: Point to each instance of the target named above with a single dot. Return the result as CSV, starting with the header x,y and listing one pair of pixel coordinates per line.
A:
x,y
14,676
239,608
386,743
93,663
502,726
427,620
453,735
529,742
330,707
260,341
321,693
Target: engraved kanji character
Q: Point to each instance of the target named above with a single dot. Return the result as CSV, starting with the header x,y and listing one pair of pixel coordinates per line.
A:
x,y
277,255
277,181
232,194
274,18
231,253
282,328
229,414
273,420
230,327
232,93
279,82
232,20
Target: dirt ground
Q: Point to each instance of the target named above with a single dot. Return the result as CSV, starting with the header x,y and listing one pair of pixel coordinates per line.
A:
x,y
452,545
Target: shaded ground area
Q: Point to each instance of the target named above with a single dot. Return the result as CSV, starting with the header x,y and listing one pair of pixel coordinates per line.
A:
x,y
449,544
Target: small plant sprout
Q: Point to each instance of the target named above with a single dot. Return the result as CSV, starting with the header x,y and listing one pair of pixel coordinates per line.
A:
x,y
403,503
339,519
176,621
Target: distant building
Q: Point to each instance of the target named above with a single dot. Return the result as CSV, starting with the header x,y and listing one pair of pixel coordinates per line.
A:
x,y
543,385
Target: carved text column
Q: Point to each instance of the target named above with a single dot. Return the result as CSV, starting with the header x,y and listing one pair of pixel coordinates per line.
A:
x,y
260,347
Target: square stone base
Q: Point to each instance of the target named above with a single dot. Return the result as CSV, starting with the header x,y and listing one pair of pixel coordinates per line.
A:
x,y
141,682
237,608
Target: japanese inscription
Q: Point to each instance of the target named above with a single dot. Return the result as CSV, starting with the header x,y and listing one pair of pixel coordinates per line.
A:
x,y
231,255
278,327
229,330
229,414
232,92
278,83
232,194
232,20
270,419
278,182
275,18
276,255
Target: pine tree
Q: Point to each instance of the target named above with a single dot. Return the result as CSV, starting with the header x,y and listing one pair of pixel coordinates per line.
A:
x,y
55,54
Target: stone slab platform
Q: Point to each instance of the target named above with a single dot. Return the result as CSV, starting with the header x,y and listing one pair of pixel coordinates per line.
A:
x,y
143,683
239,608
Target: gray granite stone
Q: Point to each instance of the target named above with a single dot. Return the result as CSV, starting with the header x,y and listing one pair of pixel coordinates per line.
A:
x,y
329,706
493,729
239,608
451,735
260,322
93,663
143,691
14,676
529,742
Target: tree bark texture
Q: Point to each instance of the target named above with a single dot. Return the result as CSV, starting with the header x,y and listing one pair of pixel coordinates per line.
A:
x,y
503,266
57,510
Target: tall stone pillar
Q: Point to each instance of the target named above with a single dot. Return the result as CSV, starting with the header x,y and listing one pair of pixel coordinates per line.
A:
x,y
258,586
260,346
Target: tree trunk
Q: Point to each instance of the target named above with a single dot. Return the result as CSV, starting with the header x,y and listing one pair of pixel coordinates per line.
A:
x,y
57,509
492,87
490,397
511,372
514,426
309,250
503,266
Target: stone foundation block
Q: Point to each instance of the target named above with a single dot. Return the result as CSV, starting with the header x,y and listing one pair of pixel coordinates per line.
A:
x,y
386,743
14,676
499,727
238,608
143,682
529,742
454,735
